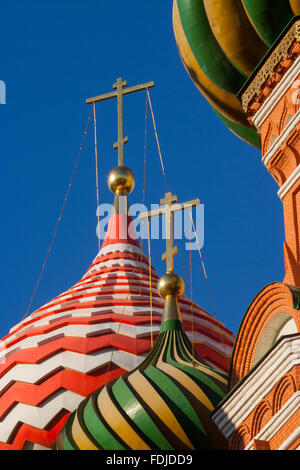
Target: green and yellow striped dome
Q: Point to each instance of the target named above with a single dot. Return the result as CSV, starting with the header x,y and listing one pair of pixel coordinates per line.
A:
x,y
221,42
164,404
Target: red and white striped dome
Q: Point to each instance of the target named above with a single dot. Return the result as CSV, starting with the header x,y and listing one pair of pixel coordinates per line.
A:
x,y
94,332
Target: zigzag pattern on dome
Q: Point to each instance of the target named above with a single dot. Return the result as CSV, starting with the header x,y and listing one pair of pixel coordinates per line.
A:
x,y
164,404
87,336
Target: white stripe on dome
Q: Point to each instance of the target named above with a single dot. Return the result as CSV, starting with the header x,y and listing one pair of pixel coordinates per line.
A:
x,y
103,288
40,416
83,363
83,331
121,247
120,262
130,310
132,331
119,309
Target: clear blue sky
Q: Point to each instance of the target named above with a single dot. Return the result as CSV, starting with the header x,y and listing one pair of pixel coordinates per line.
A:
x,y
54,54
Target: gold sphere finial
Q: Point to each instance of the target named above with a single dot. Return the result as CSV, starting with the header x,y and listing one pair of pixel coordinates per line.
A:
x,y
121,178
170,284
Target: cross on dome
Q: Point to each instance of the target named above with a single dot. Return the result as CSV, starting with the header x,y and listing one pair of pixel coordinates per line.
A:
x,y
119,93
168,210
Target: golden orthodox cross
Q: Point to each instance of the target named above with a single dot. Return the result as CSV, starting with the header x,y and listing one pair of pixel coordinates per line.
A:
x,y
168,210
119,93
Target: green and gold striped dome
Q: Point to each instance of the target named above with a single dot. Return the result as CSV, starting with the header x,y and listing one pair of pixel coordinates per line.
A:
x,y
164,404
221,42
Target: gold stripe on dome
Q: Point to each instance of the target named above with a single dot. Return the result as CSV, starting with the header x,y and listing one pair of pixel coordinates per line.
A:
x,y
189,383
206,370
182,377
267,69
80,438
295,5
235,33
118,424
225,102
150,396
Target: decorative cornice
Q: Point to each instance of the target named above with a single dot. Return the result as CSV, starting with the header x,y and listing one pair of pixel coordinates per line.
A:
x,y
277,421
281,138
267,69
289,183
260,381
278,92
290,441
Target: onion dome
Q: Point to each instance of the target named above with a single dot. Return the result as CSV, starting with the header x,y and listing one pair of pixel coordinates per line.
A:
x,y
221,42
164,404
94,332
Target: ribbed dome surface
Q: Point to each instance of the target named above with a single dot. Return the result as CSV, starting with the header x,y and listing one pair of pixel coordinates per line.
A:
x,y
94,332
221,42
164,404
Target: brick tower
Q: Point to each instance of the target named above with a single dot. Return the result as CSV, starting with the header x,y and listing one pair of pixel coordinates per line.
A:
x,y
261,410
272,102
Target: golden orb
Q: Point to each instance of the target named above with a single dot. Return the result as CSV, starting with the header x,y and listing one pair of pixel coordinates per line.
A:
x,y
170,284
121,178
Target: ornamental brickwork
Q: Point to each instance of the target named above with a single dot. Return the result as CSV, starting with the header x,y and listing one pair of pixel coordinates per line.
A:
x,y
265,412
262,408
274,111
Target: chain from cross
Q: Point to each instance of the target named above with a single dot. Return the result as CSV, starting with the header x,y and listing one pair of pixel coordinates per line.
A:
x,y
119,93
168,210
